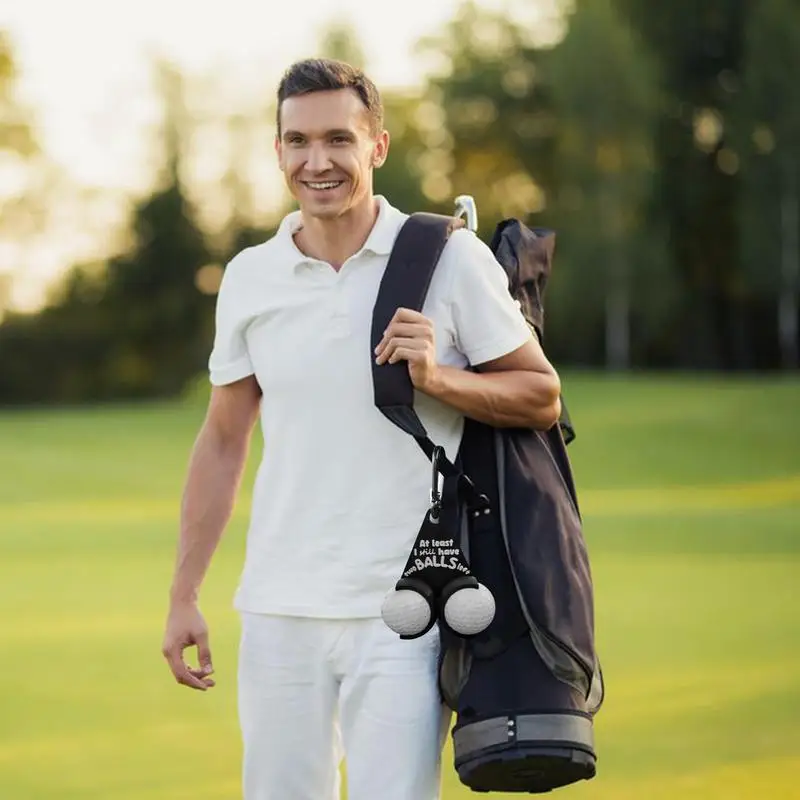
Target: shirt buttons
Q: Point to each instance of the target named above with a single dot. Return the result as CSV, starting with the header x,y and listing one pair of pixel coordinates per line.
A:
x,y
340,310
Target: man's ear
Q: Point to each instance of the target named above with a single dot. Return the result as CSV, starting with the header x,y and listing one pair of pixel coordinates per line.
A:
x,y
279,150
381,149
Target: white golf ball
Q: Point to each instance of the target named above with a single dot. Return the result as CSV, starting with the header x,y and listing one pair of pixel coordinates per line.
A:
x,y
470,611
406,612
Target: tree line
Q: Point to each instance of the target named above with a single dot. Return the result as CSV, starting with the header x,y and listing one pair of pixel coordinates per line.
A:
x,y
660,141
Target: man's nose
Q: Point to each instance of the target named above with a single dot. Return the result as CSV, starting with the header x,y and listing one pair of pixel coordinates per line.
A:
x,y
318,159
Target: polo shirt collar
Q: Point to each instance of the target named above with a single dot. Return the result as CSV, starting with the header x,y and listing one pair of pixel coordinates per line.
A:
x,y
379,242
384,232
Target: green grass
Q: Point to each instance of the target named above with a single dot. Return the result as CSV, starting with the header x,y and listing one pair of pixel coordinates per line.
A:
x,y
690,489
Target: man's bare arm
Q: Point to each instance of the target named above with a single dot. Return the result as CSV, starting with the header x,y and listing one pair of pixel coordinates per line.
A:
x,y
215,469
520,389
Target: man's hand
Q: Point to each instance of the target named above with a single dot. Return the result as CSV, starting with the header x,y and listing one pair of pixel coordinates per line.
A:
x,y
186,627
410,337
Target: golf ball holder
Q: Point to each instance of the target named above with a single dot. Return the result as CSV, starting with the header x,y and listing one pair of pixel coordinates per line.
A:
x,y
437,571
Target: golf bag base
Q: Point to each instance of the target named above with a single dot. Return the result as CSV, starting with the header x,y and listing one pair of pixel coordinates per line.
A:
x,y
518,727
529,768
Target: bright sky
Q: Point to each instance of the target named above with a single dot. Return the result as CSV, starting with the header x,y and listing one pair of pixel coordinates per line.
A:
x,y
84,63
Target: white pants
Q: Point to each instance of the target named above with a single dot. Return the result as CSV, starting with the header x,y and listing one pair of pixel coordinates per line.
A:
x,y
312,691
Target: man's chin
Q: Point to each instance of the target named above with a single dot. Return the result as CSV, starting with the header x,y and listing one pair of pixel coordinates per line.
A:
x,y
323,207
323,210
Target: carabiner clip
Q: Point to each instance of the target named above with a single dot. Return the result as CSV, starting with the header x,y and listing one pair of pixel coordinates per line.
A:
x,y
436,495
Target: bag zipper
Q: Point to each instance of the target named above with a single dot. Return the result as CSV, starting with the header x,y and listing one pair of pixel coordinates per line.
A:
x,y
525,610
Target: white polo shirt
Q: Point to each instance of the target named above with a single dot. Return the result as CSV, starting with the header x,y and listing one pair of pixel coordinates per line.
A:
x,y
340,492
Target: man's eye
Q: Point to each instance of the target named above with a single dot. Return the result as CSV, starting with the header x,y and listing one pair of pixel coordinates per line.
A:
x,y
340,140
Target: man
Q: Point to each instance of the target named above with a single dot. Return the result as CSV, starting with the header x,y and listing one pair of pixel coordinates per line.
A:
x,y
340,492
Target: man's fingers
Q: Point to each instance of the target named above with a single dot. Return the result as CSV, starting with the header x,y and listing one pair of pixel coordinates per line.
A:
x,y
204,652
406,341
201,675
187,677
183,674
181,671
406,323
408,315
410,354
411,329
396,343
405,330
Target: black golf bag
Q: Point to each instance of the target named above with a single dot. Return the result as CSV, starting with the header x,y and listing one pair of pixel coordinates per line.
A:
x,y
525,689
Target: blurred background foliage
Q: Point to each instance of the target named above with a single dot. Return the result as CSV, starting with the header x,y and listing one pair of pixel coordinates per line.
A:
x,y
660,141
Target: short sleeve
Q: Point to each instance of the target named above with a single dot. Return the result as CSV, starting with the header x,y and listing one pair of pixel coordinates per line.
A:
x,y
229,360
488,322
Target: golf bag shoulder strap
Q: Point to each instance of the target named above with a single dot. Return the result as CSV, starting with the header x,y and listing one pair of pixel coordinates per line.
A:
x,y
412,262
416,252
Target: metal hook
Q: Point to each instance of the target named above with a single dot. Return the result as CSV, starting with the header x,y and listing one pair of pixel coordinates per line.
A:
x,y
436,496
465,207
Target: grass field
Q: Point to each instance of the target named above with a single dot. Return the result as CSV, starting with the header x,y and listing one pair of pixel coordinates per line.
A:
x,y
691,495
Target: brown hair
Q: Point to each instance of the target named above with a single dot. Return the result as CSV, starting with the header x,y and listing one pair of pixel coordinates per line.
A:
x,y
325,74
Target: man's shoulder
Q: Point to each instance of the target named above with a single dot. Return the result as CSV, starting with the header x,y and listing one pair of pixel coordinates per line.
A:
x,y
463,241
465,252
259,257
469,271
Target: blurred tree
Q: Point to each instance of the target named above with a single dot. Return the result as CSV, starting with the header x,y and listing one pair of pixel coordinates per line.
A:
x,y
16,134
161,296
139,326
766,134
339,40
700,50
161,291
250,138
604,91
538,132
403,175
21,204
490,115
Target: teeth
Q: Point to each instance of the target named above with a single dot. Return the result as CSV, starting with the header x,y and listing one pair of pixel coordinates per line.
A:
x,y
326,185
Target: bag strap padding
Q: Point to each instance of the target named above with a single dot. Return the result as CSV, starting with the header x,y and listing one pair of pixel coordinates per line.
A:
x,y
416,252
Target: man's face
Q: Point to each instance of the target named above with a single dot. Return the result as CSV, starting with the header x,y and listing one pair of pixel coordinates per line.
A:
x,y
327,152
